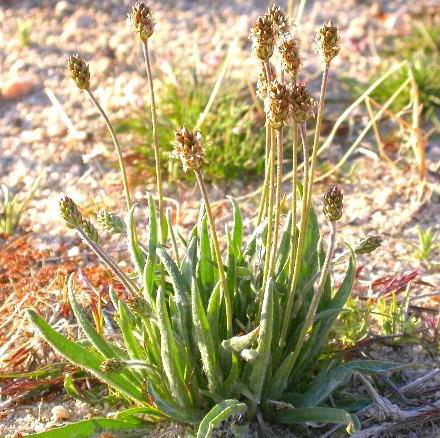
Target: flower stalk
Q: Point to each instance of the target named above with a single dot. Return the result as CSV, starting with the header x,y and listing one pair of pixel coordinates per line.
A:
x,y
218,256
155,140
116,145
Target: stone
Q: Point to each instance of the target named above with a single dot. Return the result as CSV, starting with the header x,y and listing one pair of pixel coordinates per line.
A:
x,y
60,413
17,88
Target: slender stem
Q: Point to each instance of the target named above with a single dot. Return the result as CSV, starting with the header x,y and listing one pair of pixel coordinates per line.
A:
x,y
317,135
293,247
317,295
269,212
117,148
264,198
218,255
279,185
299,250
155,139
128,284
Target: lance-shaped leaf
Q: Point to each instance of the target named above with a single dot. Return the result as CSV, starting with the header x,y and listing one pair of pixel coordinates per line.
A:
x,y
259,370
133,243
172,410
205,342
326,382
237,230
85,358
181,294
219,413
237,344
320,415
169,353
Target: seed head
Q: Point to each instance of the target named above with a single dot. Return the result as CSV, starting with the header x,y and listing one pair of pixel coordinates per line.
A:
x,y
333,204
277,104
262,85
327,41
90,231
112,365
279,19
188,148
110,222
79,71
289,51
368,244
302,105
263,35
70,213
142,20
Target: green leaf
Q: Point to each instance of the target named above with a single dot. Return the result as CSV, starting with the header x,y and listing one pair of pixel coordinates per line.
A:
x,y
181,294
92,427
152,223
259,370
326,382
238,343
320,415
133,244
169,352
174,411
284,250
206,264
219,413
106,349
135,350
213,313
205,342
152,413
85,358
237,230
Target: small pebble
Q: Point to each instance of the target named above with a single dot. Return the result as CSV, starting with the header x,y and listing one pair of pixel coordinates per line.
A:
x,y
60,413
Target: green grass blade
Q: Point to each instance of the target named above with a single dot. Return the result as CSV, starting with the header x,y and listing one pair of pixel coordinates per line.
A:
x,y
219,413
152,223
84,358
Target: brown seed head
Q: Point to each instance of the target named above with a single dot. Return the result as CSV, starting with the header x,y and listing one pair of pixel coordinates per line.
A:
x,y
263,35
327,41
142,20
262,85
90,231
279,19
333,204
277,104
289,51
302,105
79,71
368,244
188,148
70,213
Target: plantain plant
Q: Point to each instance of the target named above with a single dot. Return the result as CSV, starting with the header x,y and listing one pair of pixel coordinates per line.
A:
x,y
212,337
